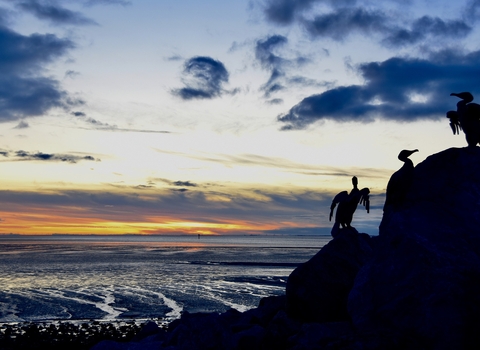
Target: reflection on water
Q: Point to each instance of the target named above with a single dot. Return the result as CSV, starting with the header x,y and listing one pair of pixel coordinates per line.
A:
x,y
45,279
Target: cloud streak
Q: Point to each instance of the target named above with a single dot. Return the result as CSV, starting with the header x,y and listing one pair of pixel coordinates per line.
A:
x,y
101,126
44,157
283,164
55,14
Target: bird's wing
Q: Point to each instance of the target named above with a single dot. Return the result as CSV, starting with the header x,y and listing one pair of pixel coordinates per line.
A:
x,y
454,122
365,198
337,199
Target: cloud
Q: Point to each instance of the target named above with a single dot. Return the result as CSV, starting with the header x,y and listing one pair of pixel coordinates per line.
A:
x,y
24,91
271,62
250,208
472,10
284,12
204,79
98,125
300,231
338,20
40,156
287,165
275,101
71,74
107,2
54,13
428,26
22,125
399,89
185,183
343,22
174,58
277,66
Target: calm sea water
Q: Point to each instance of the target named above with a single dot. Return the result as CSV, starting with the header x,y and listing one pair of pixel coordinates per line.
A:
x,y
136,277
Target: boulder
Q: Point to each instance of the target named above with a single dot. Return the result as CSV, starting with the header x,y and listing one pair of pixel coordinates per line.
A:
x,y
317,290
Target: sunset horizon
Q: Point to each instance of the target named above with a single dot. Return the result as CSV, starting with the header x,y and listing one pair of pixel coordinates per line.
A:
x,y
242,118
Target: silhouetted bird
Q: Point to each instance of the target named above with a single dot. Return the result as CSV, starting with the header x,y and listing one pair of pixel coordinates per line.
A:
x,y
400,181
347,204
466,118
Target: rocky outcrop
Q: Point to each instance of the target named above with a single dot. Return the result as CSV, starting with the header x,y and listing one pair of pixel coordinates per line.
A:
x,y
317,290
415,286
423,283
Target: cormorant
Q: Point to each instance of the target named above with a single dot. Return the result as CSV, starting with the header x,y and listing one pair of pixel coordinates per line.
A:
x,y
400,181
347,204
466,117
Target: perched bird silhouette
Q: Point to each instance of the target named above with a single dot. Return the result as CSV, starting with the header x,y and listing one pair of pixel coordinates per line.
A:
x,y
466,118
400,181
347,204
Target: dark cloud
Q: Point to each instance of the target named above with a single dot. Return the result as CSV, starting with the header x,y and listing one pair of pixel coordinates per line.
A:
x,y
262,209
71,74
185,184
40,156
271,62
276,65
472,10
79,114
399,89
176,203
345,21
54,13
22,125
275,101
264,51
204,79
174,58
143,187
180,190
339,19
24,91
301,231
425,27
284,12
107,2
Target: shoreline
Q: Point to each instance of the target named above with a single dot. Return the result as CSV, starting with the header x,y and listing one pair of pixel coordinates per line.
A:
x,y
74,334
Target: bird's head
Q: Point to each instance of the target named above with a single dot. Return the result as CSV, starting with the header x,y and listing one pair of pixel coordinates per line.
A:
x,y
465,96
403,155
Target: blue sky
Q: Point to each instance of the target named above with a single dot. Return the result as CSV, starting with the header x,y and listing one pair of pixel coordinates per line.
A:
x,y
220,117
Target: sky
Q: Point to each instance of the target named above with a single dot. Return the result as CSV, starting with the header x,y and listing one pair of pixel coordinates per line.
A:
x,y
220,117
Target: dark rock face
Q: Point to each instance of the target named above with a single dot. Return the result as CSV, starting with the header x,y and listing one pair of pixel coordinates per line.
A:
x,y
423,282
317,290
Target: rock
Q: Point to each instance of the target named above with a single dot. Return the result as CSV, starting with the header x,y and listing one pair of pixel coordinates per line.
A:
x,y
423,282
148,329
317,290
198,331
320,335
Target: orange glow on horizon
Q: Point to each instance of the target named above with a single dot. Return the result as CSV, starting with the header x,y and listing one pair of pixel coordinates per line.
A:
x,y
45,224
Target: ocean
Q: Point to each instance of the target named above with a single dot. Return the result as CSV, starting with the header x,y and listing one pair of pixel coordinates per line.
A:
x,y
116,278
